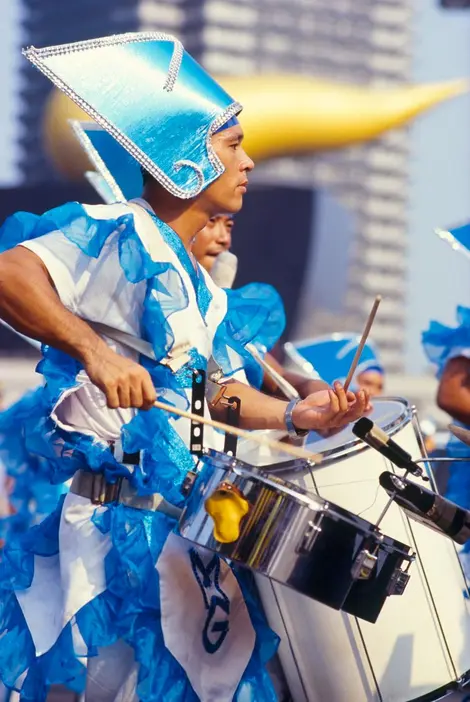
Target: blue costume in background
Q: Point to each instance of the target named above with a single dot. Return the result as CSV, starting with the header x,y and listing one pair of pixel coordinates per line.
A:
x,y
441,344
330,357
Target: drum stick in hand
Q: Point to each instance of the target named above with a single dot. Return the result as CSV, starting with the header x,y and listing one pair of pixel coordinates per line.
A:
x,y
360,348
259,438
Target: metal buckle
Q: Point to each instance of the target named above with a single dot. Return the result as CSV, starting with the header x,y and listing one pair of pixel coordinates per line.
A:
x,y
188,482
178,357
103,492
399,580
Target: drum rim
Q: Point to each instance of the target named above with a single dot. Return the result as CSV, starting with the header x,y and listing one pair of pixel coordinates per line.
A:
x,y
244,469
356,445
316,503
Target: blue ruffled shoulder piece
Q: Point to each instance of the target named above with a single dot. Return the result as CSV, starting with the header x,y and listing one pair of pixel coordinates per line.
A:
x,y
166,294
256,315
71,219
440,342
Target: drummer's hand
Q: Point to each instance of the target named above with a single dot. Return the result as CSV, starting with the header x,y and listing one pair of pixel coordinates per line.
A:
x,y
330,409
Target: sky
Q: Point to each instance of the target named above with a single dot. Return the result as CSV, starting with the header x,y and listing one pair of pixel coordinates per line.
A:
x,y
438,278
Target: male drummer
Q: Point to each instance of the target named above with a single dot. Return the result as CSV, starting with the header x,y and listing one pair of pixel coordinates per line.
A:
x,y
86,589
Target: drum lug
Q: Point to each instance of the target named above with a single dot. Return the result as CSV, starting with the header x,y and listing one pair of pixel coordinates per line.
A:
x,y
363,565
398,582
188,482
309,537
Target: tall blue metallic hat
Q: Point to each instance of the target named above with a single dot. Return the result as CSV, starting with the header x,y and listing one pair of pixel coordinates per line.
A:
x,y
117,175
458,238
331,356
152,97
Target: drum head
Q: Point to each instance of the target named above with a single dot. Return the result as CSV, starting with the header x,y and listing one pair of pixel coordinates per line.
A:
x,y
390,414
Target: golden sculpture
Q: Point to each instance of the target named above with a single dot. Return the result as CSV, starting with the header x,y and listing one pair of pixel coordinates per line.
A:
x,y
283,115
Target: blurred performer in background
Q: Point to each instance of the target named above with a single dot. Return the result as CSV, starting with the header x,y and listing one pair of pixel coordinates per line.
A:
x,y
331,357
104,581
448,348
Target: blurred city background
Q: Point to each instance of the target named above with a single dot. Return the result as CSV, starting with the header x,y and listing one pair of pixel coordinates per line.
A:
x,y
330,229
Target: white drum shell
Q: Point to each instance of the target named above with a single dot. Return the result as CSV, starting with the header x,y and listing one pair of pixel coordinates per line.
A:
x,y
421,641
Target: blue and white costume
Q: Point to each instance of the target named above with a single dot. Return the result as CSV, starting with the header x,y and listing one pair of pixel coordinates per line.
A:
x,y
110,584
330,357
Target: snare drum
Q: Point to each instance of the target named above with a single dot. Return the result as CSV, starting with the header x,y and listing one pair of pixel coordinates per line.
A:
x,y
420,644
293,537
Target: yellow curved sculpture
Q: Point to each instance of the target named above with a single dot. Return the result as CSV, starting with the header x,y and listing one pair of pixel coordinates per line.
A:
x,y
283,115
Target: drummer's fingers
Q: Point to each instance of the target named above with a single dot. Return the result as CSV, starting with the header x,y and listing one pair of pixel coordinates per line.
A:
x,y
362,400
341,395
334,403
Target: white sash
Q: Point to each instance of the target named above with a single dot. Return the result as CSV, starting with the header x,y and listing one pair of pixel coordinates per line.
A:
x,y
205,621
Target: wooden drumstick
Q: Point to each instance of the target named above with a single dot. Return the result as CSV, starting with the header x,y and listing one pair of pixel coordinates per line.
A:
x,y
294,451
365,335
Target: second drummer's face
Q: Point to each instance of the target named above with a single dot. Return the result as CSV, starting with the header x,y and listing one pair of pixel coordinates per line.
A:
x,y
372,381
211,241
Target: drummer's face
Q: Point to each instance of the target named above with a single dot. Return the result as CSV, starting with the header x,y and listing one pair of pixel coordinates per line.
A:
x,y
372,381
211,241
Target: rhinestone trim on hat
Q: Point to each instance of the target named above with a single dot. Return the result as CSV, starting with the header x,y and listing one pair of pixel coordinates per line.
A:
x,y
36,55
96,181
94,156
174,67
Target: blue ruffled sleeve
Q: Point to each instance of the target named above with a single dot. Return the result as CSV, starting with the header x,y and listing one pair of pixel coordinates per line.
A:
x,y
142,292
255,314
441,343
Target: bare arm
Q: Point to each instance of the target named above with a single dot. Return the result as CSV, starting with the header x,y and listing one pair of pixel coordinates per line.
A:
x,y
321,410
304,386
453,395
30,304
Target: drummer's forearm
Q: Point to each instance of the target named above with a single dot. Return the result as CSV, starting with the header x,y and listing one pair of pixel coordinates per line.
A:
x,y
305,386
257,411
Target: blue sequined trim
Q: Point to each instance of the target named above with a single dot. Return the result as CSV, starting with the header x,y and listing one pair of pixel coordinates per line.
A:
x,y
203,294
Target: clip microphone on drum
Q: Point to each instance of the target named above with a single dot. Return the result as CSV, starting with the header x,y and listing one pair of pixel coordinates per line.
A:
x,y
428,507
373,435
